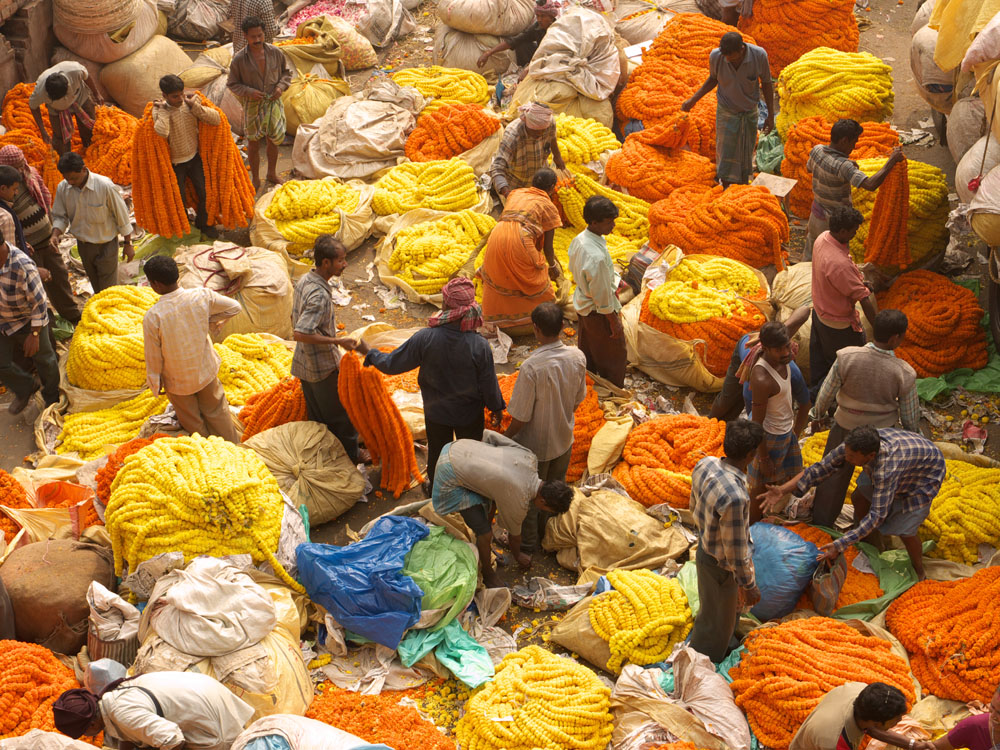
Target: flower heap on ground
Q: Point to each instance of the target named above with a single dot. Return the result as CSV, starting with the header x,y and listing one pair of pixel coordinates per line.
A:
x,y
38,154
632,223
672,69
251,364
654,162
427,255
887,243
506,383
106,350
12,495
877,139
587,420
787,669
660,454
537,700
110,150
440,185
280,404
302,210
449,131
743,222
712,309
944,331
858,585
107,473
928,209
89,433
642,619
788,29
951,630
199,496
583,141
835,85
377,419
965,513
445,86
812,452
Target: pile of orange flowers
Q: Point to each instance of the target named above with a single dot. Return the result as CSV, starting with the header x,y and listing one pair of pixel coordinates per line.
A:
x,y
788,29
12,495
654,162
660,454
587,420
449,131
86,514
888,243
377,419
878,139
944,331
787,669
376,719
110,151
506,383
745,223
107,473
37,153
283,402
950,630
858,585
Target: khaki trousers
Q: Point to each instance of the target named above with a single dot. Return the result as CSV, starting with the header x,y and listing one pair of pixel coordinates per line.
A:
x,y
206,412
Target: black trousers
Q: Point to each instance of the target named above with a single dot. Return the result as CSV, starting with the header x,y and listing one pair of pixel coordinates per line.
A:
x,y
323,405
824,343
439,435
194,170
718,596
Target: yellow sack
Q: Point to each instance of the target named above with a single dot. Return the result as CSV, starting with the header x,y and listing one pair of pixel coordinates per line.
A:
x,y
607,445
324,53
308,98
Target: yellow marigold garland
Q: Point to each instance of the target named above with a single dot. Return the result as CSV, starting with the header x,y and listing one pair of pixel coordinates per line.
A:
x,y
89,433
965,513
302,210
427,255
251,364
441,185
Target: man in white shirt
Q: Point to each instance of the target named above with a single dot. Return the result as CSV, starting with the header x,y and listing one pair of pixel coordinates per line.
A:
x,y
69,93
180,360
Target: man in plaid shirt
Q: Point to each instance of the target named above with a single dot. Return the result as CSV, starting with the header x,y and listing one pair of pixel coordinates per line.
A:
x,y
720,502
903,472
24,330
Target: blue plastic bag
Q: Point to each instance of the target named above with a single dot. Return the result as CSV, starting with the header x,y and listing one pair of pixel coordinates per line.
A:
x,y
784,563
362,585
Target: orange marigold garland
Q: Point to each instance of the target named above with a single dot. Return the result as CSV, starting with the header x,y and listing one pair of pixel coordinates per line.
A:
x,y
110,150
887,243
660,454
229,193
159,207
788,29
283,402
38,154
587,420
951,630
858,585
12,495
944,331
107,473
449,131
787,669
377,419
506,383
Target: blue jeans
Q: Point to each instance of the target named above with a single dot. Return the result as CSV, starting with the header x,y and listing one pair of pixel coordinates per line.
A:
x,y
13,363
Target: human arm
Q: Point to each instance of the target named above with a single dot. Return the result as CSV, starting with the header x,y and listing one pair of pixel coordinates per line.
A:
x,y
234,82
119,211
773,494
488,385
221,308
484,58
140,724
827,392
874,182
60,214
522,402
285,80
92,85
801,417
735,528
797,319
35,102
909,409
870,308
767,91
882,495
550,254
501,162
762,388
896,739
706,87
39,307
405,357
557,158
153,354
207,115
161,119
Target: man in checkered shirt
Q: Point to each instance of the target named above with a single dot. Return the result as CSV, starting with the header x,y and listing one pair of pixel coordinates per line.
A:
x,y
24,331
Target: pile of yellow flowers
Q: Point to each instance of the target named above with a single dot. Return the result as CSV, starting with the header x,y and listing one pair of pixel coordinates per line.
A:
x,y
105,352
427,255
440,185
719,273
633,213
251,364
537,700
812,452
642,619
965,513
688,302
90,432
583,140
302,210
834,84
925,226
201,496
445,85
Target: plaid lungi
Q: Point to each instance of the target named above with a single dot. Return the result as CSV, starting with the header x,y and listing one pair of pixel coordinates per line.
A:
x,y
786,459
264,118
735,140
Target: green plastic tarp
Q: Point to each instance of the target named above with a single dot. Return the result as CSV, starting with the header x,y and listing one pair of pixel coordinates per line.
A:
x,y
446,570
458,651
770,152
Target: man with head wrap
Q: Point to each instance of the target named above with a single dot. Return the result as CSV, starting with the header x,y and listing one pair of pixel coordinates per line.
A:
x,y
457,377
161,710
525,148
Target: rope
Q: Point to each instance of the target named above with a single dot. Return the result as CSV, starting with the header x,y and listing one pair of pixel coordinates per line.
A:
x,y
214,254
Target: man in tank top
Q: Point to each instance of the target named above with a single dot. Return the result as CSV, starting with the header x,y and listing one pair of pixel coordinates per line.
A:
x,y
775,390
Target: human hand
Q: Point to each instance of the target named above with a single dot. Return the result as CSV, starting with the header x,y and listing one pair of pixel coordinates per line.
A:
x,y
896,155
159,104
560,164
483,59
128,252
496,419
687,105
255,95
56,236
346,343
523,559
826,552
361,347
555,272
768,124
748,597
504,191
31,345
45,274
191,98
770,498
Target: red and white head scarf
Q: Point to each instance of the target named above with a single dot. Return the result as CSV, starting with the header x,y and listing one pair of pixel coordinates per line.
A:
x,y
12,156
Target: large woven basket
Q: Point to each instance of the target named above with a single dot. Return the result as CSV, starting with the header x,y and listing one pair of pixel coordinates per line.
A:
x,y
95,16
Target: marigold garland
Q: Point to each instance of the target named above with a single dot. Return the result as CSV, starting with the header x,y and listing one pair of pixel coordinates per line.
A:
x,y
944,331
377,418
788,29
449,131
302,210
582,141
587,420
887,243
660,454
633,213
787,669
427,255
506,383
440,185
965,513
38,154
951,630
107,473
280,404
445,85
12,495
110,150
229,193
858,585
89,433
720,273
251,364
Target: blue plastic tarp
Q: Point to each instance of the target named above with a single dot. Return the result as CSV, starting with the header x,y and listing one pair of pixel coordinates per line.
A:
x,y
784,564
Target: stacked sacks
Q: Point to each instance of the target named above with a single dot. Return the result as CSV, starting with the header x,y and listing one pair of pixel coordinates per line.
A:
x,y
104,31
787,29
468,28
208,74
133,81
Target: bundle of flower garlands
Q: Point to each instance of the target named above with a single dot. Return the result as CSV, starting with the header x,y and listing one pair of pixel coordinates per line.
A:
x,y
12,495
159,205
537,700
582,141
720,273
302,210
107,473
445,85
812,452
89,433
642,619
787,669
950,630
834,84
251,364
744,222
887,243
653,162
377,419
427,255
440,185
788,29
965,513
106,351
660,454
199,496
110,150
587,420
877,139
278,405
449,131
38,154
944,331
928,209
632,221
858,586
